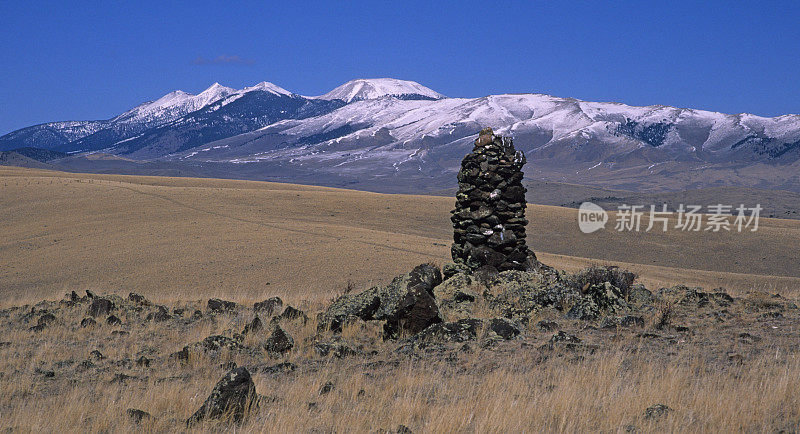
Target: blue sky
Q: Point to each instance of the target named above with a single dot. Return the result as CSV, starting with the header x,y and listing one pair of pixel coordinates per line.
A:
x,y
86,60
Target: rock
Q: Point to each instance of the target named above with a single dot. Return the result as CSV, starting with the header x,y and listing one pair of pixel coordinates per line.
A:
x,y
232,399
631,321
46,319
196,315
280,368
113,320
100,306
253,326
138,416
563,336
160,315
268,306
143,362
451,269
89,294
657,411
458,331
216,305
547,326
45,373
279,341
503,328
597,300
97,355
290,313
326,388
378,303
338,350
138,299
417,309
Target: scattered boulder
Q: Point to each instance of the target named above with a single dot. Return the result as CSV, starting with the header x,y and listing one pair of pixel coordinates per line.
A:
x,y
160,315
290,313
100,306
138,416
138,299
113,320
417,309
43,321
218,306
232,398
253,326
279,341
268,306
143,362
88,322
97,355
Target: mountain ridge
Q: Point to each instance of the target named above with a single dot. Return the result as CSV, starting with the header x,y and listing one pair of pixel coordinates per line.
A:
x,y
380,129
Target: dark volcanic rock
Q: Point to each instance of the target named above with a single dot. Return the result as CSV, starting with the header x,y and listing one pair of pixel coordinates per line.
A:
x,y
100,306
417,309
458,331
290,313
269,306
217,306
379,303
279,341
113,320
138,299
161,314
504,328
88,322
138,416
253,326
326,388
232,398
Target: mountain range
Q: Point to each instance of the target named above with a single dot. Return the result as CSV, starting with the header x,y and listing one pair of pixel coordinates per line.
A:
x,y
399,136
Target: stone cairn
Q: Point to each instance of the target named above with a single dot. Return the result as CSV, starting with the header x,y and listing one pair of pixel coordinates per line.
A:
x,y
489,219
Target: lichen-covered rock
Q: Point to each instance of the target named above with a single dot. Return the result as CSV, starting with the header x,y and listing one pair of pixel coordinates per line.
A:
x,y
279,341
457,331
503,328
232,398
417,309
379,303
597,300
269,306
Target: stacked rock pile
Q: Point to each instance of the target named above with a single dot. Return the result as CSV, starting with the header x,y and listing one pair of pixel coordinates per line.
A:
x,y
489,219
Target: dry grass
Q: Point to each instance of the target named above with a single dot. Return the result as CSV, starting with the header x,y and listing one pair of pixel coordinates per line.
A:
x,y
181,241
184,239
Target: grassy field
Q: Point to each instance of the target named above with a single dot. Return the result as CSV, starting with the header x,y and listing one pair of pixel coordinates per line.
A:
x,y
720,367
178,238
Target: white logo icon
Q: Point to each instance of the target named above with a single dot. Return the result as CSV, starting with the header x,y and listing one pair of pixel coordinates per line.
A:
x,y
591,218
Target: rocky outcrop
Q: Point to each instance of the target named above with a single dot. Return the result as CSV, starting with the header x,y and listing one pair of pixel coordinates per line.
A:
x,y
381,303
489,218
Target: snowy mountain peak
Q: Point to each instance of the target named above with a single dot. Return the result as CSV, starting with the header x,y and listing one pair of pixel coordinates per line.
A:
x,y
363,89
267,87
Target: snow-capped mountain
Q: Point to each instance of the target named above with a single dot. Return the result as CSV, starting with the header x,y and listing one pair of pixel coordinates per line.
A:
x,y
386,130
363,89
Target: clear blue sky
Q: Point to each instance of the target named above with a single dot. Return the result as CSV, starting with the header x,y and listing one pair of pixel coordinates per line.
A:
x,y
73,60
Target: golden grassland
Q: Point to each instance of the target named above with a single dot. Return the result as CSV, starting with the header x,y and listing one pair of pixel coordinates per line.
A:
x,y
190,238
180,241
